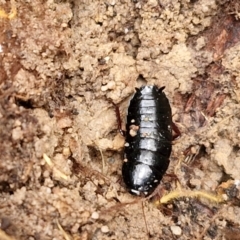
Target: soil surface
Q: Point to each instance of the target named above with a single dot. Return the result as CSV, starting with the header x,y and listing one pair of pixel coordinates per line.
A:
x,y
62,66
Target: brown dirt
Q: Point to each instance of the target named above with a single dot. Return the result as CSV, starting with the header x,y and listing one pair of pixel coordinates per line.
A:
x,y
62,63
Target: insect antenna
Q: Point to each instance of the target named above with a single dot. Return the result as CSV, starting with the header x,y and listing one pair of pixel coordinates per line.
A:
x,y
145,220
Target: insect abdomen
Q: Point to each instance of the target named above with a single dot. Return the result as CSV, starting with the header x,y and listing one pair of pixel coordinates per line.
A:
x,y
148,140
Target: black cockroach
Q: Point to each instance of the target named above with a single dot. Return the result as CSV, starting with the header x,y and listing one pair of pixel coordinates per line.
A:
x,y
148,140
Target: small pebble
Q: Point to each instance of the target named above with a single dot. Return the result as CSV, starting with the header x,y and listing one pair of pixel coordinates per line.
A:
x,y
111,85
107,59
104,88
17,133
95,215
64,25
176,230
237,182
66,151
105,229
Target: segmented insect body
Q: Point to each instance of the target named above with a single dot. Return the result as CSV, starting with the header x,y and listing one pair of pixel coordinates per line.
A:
x,y
148,140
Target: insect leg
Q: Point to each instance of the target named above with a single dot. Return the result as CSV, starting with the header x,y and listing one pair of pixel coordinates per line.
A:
x,y
176,130
119,121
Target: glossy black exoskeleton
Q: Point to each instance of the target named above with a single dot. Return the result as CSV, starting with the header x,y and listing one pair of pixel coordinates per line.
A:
x,y
148,140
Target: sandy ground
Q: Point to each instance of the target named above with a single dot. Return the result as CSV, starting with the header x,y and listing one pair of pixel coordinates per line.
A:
x,y
62,63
